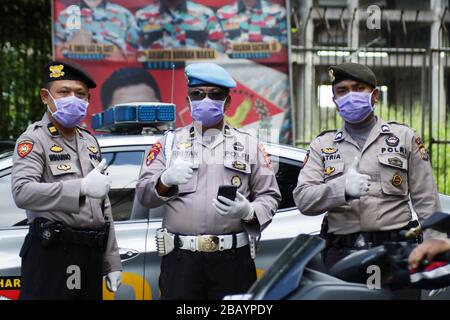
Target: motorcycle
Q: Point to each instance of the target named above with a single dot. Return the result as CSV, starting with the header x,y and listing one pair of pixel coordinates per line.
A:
x,y
376,273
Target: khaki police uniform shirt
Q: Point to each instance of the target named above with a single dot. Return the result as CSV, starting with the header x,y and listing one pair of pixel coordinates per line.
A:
x,y
395,159
46,180
232,158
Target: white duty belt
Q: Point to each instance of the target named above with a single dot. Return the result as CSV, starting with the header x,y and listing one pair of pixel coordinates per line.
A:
x,y
211,243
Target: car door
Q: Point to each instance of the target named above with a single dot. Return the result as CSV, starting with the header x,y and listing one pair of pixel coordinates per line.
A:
x,y
13,229
287,222
131,224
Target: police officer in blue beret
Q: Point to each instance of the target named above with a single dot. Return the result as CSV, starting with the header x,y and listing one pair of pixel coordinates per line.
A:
x,y
205,242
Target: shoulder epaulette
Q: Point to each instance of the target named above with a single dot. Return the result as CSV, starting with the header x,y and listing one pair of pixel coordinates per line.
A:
x,y
395,122
326,131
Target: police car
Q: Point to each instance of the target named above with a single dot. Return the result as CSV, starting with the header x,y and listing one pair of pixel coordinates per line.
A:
x,y
133,129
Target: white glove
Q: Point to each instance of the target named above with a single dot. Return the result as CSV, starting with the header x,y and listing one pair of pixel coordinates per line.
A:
x,y
356,184
113,280
240,208
96,184
180,172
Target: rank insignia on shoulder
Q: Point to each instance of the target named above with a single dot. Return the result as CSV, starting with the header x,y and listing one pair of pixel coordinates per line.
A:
x,y
52,129
239,165
56,148
63,167
236,181
329,150
392,141
328,170
24,148
385,128
397,180
184,145
153,153
93,149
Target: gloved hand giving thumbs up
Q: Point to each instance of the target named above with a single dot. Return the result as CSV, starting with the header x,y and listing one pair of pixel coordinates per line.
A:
x,y
180,172
96,184
356,184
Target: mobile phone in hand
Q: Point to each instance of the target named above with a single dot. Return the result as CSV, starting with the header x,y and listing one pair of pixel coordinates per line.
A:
x,y
227,191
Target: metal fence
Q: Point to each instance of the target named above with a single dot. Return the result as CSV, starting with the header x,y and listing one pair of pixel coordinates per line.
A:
x,y
413,78
25,46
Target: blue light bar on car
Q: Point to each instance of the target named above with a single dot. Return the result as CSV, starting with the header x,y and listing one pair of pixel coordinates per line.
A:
x,y
136,115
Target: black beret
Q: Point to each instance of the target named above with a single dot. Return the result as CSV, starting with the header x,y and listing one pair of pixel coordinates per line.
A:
x,y
353,71
63,70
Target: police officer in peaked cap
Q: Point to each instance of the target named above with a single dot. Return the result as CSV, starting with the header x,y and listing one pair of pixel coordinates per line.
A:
x,y
57,177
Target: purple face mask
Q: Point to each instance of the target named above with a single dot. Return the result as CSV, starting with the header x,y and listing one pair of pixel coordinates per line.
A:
x,y
208,112
69,110
355,107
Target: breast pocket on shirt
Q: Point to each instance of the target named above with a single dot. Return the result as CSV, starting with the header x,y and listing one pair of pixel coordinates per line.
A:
x,y
333,169
63,171
237,174
393,174
191,185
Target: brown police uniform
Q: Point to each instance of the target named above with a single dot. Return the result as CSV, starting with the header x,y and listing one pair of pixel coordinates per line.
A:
x,y
392,155
233,158
46,177
66,229
395,159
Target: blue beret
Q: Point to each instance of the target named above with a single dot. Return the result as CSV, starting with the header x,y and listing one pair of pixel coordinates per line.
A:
x,y
204,74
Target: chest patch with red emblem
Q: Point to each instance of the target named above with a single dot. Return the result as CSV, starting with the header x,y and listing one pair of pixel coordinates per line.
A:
x,y
153,153
24,147
266,156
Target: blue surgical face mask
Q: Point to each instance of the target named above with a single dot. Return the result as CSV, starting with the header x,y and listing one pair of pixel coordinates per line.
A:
x,y
208,112
69,110
355,107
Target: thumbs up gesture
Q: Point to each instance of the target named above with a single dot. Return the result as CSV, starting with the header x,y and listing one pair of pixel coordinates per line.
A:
x,y
356,184
96,184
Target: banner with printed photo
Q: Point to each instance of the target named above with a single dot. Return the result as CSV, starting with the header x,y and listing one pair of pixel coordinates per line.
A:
x,y
132,48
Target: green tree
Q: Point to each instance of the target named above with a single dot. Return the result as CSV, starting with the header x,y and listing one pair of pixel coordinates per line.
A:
x,y
25,47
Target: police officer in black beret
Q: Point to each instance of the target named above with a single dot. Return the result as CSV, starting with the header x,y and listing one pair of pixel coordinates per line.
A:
x,y
57,178
364,174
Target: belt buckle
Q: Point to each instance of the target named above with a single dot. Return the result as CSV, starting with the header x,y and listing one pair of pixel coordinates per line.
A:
x,y
208,243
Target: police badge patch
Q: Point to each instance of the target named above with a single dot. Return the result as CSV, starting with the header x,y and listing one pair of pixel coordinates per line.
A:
x,y
64,167
392,141
55,148
236,181
422,150
329,150
265,156
239,165
397,180
24,148
237,146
